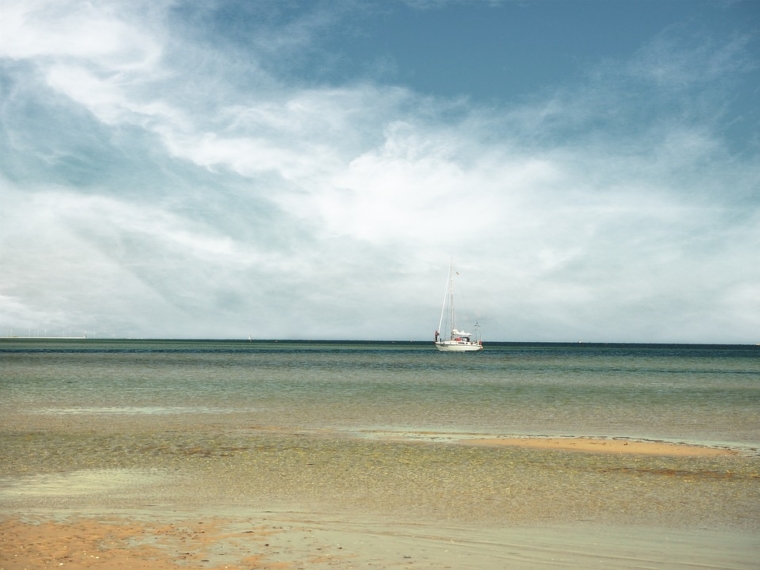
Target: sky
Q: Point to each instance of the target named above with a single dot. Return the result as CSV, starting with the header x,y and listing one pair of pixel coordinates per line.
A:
x,y
291,169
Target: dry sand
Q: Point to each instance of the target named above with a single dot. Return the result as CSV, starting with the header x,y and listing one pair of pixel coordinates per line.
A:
x,y
612,445
214,500
603,445
290,541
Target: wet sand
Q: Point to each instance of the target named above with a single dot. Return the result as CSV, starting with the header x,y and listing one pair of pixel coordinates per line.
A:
x,y
289,541
163,494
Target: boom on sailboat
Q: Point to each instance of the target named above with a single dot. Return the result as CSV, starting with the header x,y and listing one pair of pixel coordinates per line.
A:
x,y
458,340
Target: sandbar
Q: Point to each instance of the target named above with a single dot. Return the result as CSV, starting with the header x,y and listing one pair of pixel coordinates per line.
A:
x,y
586,444
600,445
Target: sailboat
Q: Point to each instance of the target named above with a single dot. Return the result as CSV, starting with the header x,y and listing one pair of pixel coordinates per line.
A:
x,y
458,341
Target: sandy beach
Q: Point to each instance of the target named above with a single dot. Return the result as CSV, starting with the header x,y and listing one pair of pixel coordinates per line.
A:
x,y
270,498
267,540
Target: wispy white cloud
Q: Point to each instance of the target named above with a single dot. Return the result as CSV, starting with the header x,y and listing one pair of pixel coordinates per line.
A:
x,y
607,210
678,60
108,34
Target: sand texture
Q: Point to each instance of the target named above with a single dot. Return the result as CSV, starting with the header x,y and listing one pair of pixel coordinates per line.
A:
x,y
606,445
164,494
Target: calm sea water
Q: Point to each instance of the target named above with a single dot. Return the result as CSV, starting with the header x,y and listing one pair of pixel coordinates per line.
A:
x,y
708,394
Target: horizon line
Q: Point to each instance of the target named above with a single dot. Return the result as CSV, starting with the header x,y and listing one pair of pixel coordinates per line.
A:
x,y
370,341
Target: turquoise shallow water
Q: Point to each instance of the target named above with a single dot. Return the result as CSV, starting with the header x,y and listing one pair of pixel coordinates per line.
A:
x,y
194,424
685,393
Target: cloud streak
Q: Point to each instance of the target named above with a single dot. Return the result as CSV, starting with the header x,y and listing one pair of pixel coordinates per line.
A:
x,y
219,199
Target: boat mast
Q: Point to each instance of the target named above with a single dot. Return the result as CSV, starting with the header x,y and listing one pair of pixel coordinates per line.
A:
x,y
445,295
451,299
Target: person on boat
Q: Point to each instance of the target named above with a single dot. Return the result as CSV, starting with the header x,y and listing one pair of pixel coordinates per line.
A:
x,y
436,336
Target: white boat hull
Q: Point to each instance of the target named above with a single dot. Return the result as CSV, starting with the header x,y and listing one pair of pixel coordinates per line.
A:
x,y
454,339
457,346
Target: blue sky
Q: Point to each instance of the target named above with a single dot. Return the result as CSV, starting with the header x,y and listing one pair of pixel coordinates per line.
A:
x,y
292,169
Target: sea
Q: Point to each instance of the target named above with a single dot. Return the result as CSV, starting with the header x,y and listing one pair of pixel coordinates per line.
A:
x,y
700,394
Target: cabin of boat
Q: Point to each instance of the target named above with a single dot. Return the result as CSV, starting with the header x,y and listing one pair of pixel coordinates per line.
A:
x,y
458,341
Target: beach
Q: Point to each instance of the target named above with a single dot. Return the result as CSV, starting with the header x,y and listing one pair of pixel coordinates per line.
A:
x,y
156,487
211,496
293,540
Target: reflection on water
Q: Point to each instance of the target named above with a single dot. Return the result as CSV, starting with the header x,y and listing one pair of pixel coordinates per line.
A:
x,y
87,482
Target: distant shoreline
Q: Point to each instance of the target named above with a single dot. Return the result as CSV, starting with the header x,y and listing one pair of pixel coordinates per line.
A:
x,y
47,338
557,344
